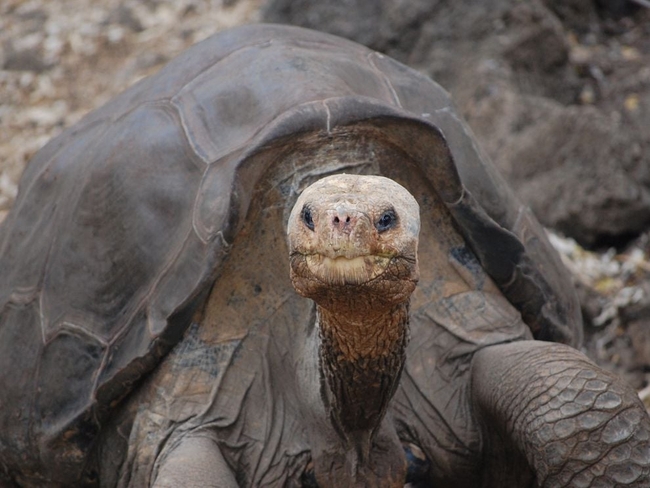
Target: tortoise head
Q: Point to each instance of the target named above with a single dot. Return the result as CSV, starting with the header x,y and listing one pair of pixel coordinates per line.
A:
x,y
354,232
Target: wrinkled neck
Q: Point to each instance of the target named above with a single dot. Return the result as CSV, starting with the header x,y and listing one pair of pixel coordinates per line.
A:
x,y
361,359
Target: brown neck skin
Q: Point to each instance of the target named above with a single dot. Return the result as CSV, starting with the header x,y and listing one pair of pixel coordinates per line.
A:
x,y
361,358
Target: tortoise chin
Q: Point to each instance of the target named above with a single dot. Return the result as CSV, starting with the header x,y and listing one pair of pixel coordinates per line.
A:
x,y
346,271
326,280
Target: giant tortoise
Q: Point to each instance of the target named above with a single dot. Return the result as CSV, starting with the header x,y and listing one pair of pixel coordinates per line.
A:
x,y
211,281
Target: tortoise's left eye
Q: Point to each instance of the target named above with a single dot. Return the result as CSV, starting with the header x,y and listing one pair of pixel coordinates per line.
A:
x,y
388,220
307,218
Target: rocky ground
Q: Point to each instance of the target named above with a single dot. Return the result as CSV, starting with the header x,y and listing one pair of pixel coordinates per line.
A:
x,y
557,91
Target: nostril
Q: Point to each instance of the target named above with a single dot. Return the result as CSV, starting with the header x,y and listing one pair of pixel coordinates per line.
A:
x,y
341,219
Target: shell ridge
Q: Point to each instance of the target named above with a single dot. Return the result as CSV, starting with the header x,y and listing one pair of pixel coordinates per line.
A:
x,y
196,213
23,296
38,289
67,325
170,106
202,233
371,61
329,117
320,43
199,73
190,140
461,197
128,320
73,196
176,102
154,284
41,288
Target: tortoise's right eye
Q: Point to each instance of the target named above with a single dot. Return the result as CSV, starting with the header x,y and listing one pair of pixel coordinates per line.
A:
x,y
306,217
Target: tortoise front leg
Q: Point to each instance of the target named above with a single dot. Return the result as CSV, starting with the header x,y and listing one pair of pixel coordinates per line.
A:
x,y
573,423
196,462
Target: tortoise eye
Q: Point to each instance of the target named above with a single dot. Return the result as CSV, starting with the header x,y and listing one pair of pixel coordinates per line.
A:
x,y
388,220
307,218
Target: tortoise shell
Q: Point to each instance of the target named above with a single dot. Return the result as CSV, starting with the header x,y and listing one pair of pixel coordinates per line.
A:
x,y
123,221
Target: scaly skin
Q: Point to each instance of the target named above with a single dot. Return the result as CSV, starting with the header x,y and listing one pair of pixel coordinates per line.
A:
x,y
575,424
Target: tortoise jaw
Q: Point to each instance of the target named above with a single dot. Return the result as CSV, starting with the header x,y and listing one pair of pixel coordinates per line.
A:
x,y
382,281
347,271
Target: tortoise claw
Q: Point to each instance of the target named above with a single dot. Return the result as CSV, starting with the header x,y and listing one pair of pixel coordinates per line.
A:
x,y
308,477
418,465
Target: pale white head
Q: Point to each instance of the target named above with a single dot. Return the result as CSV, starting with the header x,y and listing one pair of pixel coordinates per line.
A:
x,y
351,230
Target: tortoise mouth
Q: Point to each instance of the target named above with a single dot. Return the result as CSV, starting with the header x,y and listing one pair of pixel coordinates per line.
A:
x,y
347,271
328,280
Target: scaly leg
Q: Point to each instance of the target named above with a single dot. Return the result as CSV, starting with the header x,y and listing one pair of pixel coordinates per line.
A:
x,y
548,406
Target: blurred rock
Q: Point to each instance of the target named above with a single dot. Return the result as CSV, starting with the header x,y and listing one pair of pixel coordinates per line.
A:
x,y
618,9
614,293
28,59
575,167
384,25
580,16
124,16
